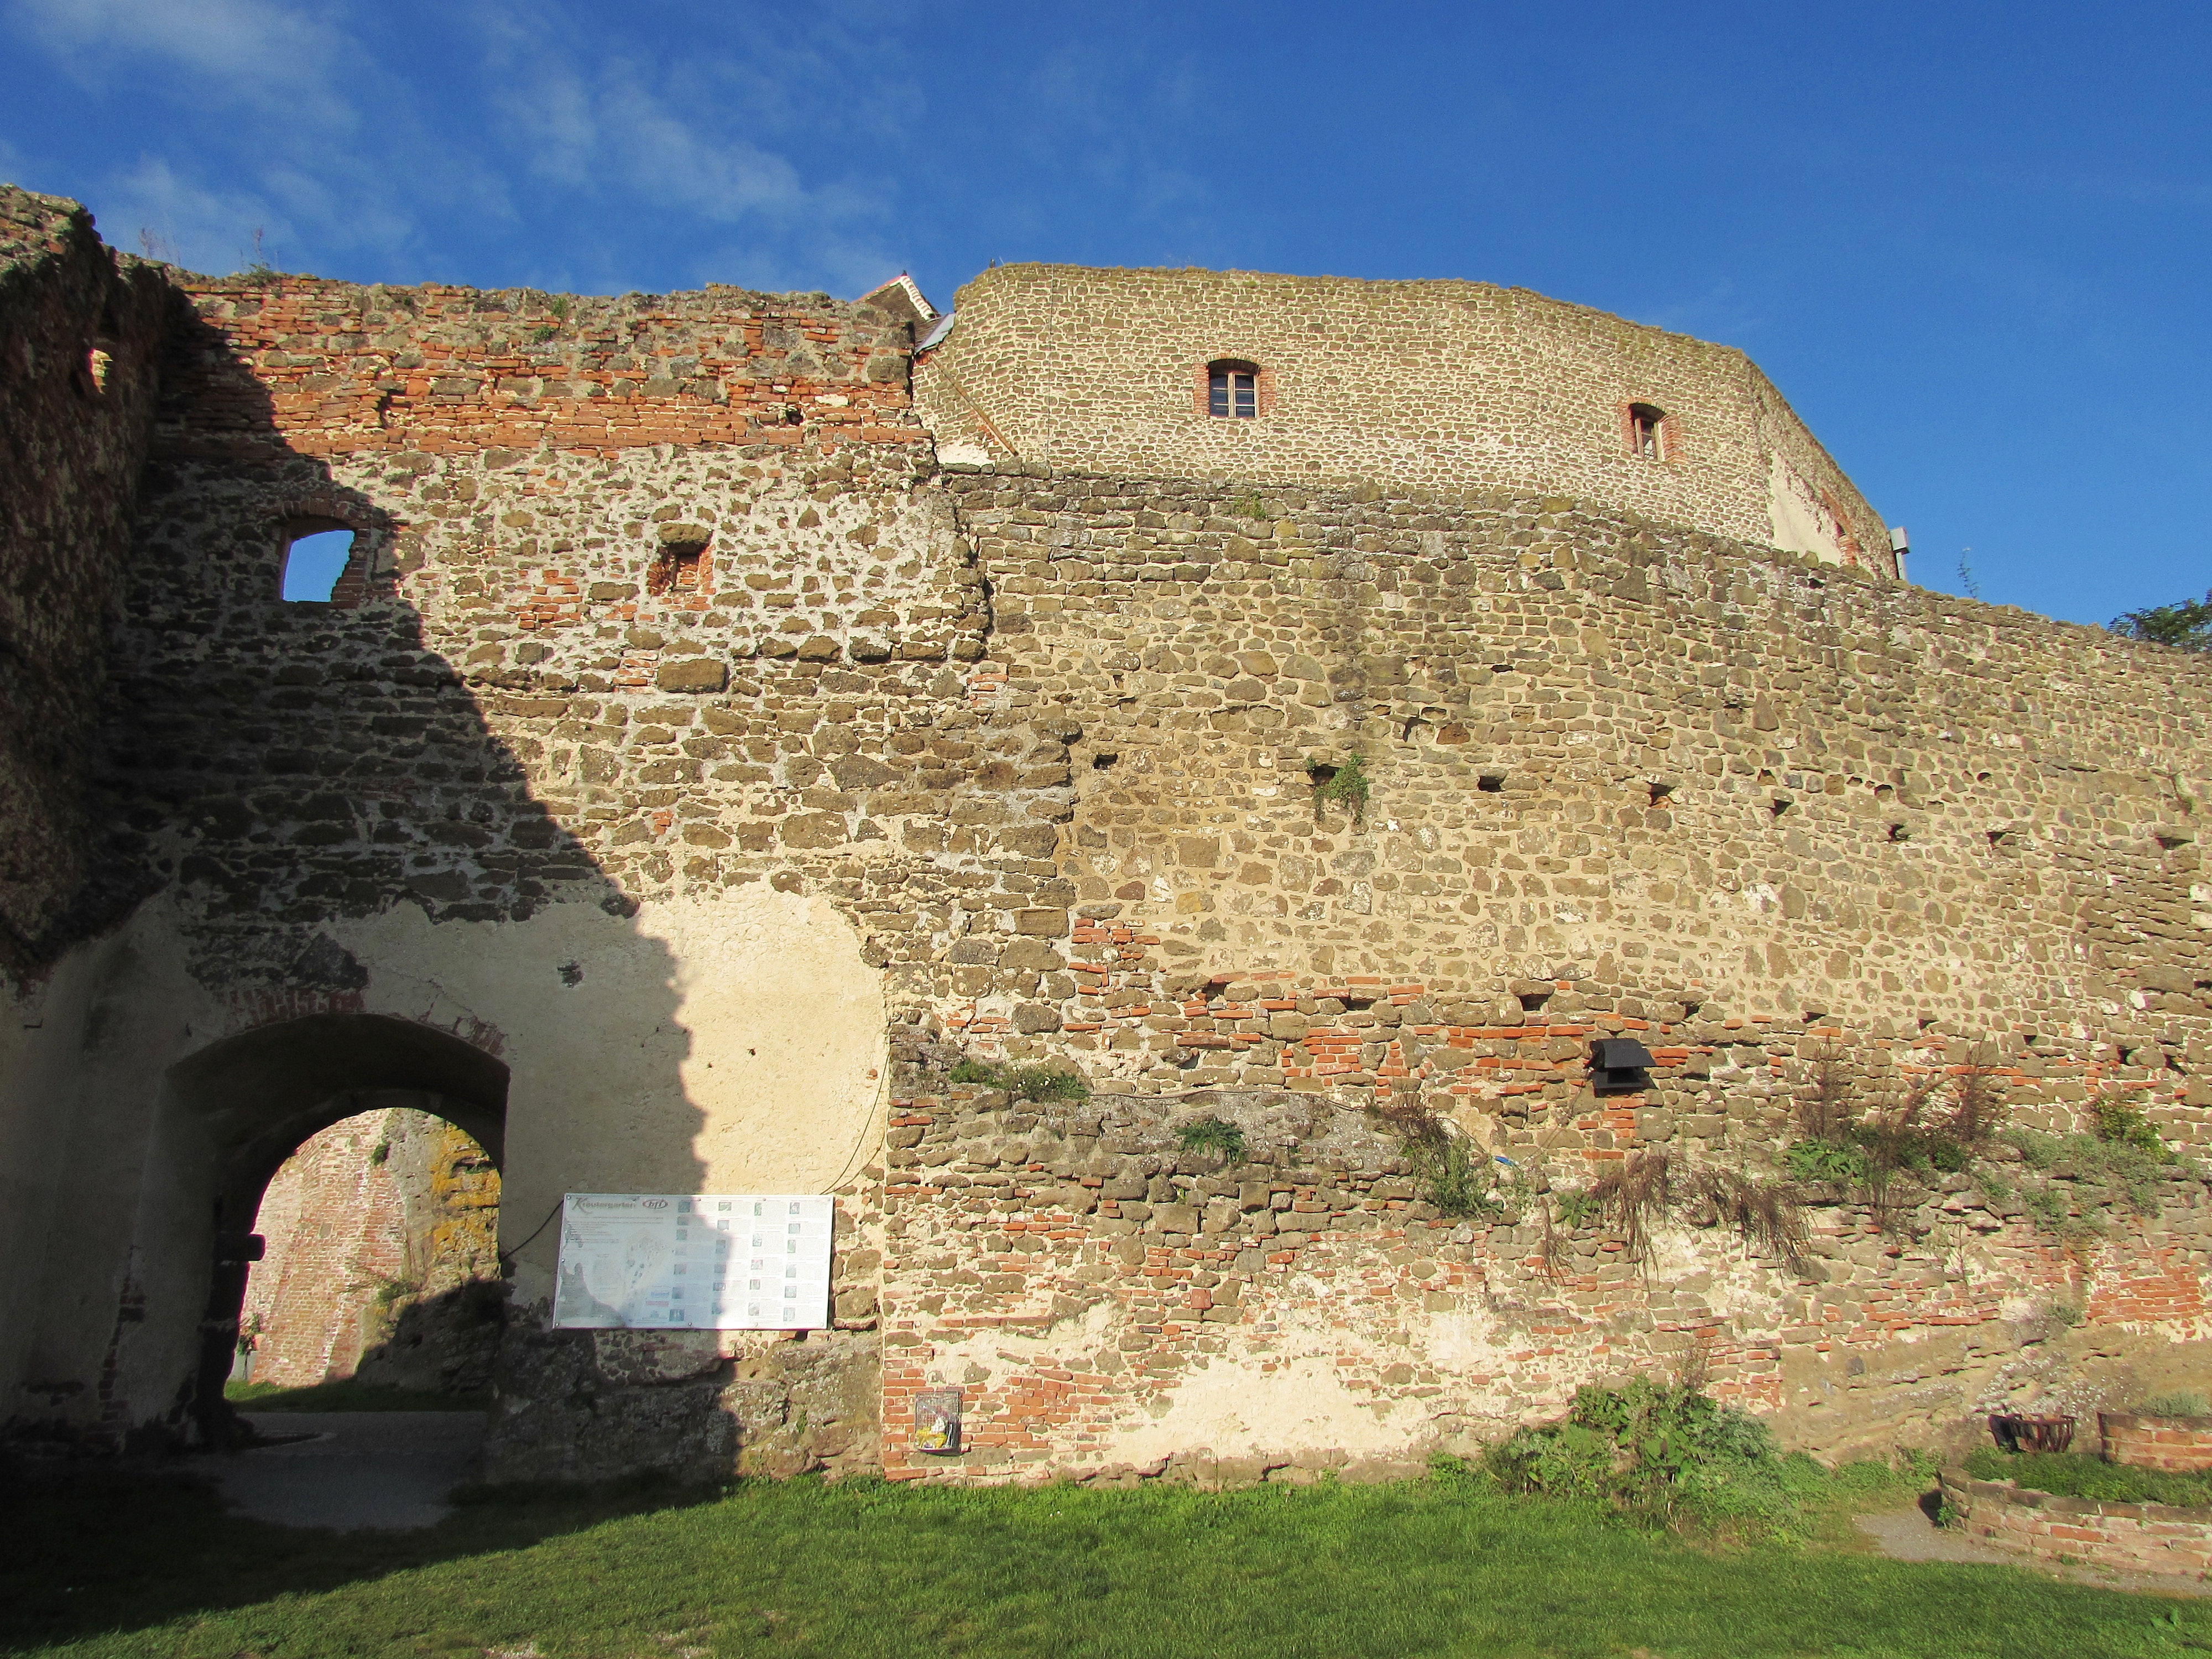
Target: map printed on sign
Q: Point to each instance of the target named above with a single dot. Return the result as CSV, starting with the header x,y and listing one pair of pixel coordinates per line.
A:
x,y
715,1261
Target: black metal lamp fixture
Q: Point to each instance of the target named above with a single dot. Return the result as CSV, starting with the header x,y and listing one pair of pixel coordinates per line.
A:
x,y
1619,1064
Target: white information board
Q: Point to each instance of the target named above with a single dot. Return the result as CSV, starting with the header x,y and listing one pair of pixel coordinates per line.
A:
x,y
714,1261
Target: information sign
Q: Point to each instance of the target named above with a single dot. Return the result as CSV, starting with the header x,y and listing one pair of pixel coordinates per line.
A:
x,y
717,1261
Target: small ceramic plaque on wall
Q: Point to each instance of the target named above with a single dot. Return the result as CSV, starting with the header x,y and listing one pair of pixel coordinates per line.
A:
x,y
936,1420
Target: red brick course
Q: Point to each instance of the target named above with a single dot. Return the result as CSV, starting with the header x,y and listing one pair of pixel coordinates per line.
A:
x,y
2183,1445
2155,1538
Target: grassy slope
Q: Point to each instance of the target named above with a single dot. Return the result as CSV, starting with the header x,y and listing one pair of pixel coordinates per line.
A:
x,y
862,1570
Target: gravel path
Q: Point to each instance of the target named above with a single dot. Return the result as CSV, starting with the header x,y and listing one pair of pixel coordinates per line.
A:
x,y
1910,1536
390,1469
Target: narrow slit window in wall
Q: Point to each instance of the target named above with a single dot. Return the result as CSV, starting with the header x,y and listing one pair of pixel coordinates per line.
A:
x,y
313,563
1232,390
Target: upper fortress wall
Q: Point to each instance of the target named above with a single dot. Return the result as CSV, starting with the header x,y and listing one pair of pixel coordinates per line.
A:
x,y
1425,385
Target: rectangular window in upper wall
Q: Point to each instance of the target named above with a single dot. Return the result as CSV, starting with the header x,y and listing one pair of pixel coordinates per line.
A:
x,y
1232,391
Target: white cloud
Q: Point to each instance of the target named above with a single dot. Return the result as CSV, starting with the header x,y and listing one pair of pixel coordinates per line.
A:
x,y
249,53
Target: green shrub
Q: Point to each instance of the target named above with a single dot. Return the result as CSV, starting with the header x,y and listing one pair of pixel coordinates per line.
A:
x,y
2118,1121
1664,1451
1348,783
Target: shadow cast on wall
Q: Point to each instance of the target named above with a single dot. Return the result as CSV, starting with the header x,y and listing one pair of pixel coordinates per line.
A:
x,y
309,814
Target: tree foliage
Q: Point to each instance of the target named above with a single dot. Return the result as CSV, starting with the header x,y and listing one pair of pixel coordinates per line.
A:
x,y
2187,624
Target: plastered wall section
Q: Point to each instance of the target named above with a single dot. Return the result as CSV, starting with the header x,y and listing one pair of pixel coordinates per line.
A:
x,y
1445,386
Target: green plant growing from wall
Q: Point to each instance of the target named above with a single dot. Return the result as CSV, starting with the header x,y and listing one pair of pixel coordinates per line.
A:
x,y
1249,507
2187,1403
1889,1140
1217,1135
2118,1121
1449,1170
1576,1208
1025,1082
1347,784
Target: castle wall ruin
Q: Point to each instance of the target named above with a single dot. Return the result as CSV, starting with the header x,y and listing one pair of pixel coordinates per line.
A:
x,y
717,736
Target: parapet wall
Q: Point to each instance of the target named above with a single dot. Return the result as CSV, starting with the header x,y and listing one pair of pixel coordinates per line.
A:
x,y
1398,386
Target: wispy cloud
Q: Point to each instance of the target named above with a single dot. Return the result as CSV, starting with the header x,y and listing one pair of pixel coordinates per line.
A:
x,y
240,52
316,121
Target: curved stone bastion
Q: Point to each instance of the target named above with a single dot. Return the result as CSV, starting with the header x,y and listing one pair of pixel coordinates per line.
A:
x,y
717,739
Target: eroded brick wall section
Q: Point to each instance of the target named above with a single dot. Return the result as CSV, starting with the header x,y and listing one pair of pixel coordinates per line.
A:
x,y
2155,1538
381,1234
2181,1444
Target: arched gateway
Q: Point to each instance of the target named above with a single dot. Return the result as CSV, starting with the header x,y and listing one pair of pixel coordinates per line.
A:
x,y
240,1107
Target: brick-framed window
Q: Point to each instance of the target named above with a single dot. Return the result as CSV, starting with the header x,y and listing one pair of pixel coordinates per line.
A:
x,y
325,561
682,570
1649,432
1233,388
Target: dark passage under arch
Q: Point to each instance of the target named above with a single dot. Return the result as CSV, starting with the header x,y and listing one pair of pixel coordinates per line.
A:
x,y
256,1096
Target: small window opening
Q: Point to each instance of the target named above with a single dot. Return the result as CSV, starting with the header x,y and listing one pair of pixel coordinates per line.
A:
x,y
1532,1002
1780,805
1898,832
312,564
1646,431
679,569
1492,783
794,415
1232,390
1102,762
1660,792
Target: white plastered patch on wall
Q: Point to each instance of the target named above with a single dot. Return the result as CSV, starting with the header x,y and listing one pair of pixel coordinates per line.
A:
x,y
1800,524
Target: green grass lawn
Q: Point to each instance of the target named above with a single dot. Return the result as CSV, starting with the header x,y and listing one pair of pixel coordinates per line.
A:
x,y
92,1565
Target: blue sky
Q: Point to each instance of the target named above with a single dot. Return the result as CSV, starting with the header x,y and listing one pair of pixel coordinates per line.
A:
x,y
1970,242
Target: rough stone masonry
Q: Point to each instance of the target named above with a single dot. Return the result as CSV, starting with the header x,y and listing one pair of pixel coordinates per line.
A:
x,y
732,717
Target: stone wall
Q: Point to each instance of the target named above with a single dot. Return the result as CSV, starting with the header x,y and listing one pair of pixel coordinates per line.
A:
x,y
82,329
1423,385
2156,1538
382,1258
678,790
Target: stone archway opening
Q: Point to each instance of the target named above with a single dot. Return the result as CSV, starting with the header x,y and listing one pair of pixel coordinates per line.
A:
x,y
380,1259
253,1101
